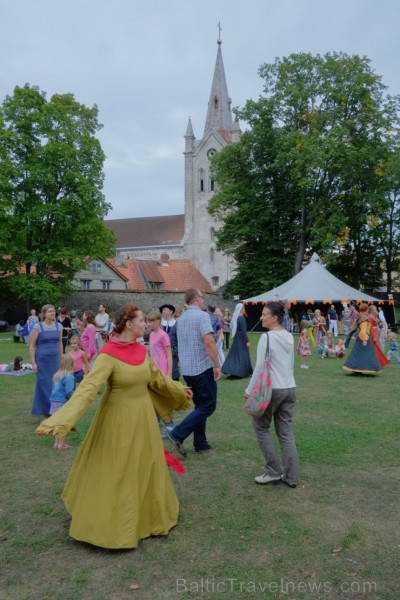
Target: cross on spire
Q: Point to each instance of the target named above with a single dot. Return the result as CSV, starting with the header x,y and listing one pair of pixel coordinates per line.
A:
x,y
219,32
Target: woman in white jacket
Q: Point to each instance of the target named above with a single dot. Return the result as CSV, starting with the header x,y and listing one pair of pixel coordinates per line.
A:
x,y
281,407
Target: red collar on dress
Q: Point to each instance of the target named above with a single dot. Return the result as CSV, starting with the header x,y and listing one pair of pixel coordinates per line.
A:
x,y
133,353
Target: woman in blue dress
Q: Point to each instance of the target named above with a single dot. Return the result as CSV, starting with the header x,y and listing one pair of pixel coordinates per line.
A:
x,y
237,363
45,348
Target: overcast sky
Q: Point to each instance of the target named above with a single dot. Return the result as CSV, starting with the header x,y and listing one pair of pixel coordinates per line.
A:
x,y
148,66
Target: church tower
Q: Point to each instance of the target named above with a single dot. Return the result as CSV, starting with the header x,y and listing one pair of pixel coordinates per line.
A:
x,y
200,227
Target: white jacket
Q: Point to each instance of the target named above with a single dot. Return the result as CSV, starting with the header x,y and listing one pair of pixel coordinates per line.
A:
x,y
281,350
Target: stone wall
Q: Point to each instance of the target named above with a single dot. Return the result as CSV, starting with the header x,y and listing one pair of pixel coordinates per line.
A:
x,y
90,299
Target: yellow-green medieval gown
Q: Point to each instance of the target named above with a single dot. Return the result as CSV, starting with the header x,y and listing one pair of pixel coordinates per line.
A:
x,y
119,488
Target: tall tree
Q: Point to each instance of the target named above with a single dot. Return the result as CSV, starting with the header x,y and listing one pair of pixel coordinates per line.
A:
x,y
52,207
384,225
314,141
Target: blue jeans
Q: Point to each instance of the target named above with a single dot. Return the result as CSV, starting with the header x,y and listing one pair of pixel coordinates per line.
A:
x,y
204,390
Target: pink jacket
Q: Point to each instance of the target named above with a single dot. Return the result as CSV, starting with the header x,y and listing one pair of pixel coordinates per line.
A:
x,y
87,339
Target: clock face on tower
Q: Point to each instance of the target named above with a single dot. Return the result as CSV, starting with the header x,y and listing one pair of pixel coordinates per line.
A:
x,y
210,152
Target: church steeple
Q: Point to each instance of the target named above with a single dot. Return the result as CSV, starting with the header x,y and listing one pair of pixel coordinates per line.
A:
x,y
219,115
189,137
200,226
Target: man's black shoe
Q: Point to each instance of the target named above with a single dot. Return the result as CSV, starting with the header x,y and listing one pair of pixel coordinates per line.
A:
x,y
178,446
203,450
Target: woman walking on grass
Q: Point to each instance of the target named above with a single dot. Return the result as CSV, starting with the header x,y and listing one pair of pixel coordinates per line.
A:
x,y
88,337
238,363
45,349
281,407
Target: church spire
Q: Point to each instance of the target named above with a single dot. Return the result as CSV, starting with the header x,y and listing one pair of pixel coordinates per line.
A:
x,y
219,116
189,137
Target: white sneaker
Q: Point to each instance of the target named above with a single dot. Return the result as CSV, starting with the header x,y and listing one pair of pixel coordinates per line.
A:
x,y
166,431
262,479
303,367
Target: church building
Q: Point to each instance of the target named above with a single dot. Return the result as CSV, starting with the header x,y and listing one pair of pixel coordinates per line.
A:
x,y
191,235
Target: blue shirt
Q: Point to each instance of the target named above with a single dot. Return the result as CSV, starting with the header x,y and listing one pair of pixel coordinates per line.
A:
x,y
191,326
63,389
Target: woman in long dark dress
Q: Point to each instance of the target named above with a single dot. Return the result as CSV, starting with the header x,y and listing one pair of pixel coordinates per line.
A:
x,y
45,348
362,358
237,363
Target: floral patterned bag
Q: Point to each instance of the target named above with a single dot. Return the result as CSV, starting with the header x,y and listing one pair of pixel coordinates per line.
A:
x,y
260,397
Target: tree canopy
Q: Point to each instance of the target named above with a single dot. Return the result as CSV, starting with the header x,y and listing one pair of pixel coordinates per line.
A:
x,y
52,207
314,171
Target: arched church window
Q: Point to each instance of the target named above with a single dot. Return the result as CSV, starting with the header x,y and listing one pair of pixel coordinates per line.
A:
x,y
212,254
215,101
201,180
212,234
212,185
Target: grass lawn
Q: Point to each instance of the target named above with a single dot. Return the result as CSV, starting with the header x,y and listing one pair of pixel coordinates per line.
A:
x,y
335,536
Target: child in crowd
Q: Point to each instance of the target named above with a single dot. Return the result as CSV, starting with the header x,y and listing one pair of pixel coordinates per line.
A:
x,y
160,352
25,333
74,327
81,361
321,346
309,317
13,366
146,340
340,349
393,347
303,346
18,335
329,345
62,390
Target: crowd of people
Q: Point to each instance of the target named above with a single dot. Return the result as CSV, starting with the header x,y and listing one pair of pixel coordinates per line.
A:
x,y
142,359
321,332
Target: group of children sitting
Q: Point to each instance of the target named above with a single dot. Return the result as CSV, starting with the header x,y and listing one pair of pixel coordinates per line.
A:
x,y
326,346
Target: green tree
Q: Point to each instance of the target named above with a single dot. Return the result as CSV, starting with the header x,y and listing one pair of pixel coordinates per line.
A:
x,y
52,207
313,144
385,224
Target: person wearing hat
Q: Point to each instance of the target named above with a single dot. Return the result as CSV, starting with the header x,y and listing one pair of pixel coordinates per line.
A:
x,y
65,321
168,323
167,316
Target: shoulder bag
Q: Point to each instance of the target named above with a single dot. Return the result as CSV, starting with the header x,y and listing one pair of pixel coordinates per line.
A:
x,y
260,397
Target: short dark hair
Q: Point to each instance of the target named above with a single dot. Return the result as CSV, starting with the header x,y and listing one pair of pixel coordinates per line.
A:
x,y
211,308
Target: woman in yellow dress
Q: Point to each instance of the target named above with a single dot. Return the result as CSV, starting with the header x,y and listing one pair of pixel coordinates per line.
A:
x,y
119,489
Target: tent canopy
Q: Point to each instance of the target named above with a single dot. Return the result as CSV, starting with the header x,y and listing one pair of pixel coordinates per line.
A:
x,y
313,285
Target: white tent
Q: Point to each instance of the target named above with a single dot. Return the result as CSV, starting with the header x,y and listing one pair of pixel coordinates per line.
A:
x,y
312,285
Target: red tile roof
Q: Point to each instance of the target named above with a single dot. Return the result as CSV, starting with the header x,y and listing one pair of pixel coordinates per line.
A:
x,y
148,231
176,275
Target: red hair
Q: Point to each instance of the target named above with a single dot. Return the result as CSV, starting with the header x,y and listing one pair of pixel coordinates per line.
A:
x,y
123,315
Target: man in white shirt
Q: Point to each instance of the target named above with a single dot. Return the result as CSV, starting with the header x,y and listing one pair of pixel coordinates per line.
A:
x,y
101,322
